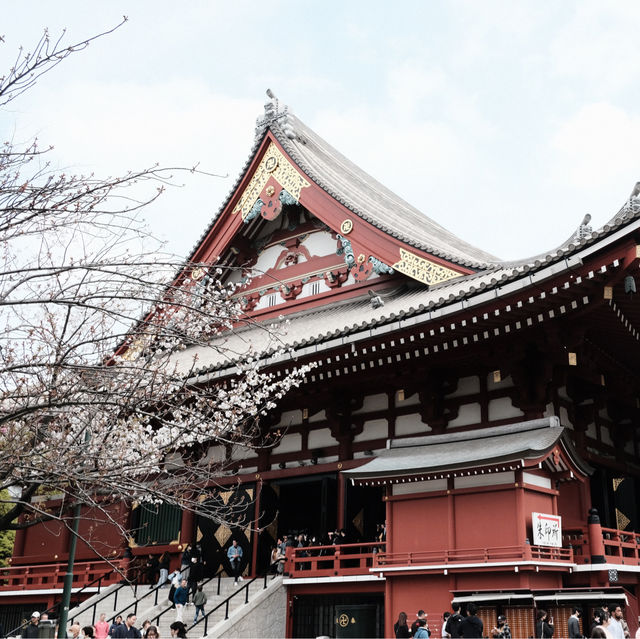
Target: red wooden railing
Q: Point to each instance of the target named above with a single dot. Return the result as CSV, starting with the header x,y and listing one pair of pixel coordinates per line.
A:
x,y
51,576
620,546
475,555
331,561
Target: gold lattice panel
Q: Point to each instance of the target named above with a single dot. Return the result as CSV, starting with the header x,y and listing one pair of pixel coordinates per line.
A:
x,y
616,483
273,164
622,521
222,534
422,269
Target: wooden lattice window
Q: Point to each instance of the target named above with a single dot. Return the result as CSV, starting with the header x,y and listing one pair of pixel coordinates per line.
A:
x,y
521,621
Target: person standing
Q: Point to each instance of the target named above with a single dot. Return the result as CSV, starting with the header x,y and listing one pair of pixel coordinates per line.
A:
x,y
199,600
196,574
163,566
471,626
443,633
128,630
544,625
180,599
114,626
234,555
185,561
452,627
421,614
615,627
30,631
502,630
401,628
421,630
573,625
101,627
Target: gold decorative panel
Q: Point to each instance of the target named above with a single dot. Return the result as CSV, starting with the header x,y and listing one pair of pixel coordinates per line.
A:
x,y
273,164
422,269
222,534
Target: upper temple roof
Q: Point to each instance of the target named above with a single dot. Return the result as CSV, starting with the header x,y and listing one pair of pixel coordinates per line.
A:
x,y
369,199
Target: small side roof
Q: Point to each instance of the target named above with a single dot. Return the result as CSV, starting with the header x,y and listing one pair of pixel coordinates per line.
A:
x,y
453,451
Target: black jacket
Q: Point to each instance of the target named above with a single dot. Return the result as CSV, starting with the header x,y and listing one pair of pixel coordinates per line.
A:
x,y
471,627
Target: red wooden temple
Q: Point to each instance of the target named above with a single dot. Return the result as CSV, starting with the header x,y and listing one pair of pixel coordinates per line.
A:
x,y
488,411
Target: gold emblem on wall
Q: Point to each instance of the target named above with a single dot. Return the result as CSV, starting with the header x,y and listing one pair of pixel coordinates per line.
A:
x,y
346,227
273,164
422,269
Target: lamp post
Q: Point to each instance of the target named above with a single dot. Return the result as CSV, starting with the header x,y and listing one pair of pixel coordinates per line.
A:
x,y
68,577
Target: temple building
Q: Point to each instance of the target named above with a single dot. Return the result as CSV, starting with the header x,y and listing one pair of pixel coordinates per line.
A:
x,y
487,411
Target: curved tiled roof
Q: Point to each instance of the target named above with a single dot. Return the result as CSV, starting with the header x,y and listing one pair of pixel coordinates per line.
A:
x,y
369,199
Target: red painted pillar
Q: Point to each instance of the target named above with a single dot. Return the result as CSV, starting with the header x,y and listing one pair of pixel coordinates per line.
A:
x,y
596,540
186,527
253,569
341,498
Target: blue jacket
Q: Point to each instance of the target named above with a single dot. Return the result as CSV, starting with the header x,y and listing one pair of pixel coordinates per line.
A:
x,y
181,595
231,552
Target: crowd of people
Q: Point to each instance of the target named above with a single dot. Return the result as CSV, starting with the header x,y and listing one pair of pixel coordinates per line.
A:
x,y
317,545
607,623
41,626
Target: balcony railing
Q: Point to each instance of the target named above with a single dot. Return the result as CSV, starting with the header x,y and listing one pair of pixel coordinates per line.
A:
x,y
332,561
475,556
51,576
620,546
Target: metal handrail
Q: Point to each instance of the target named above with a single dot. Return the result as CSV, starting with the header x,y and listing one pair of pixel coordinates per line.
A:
x,y
55,606
94,605
225,603
203,583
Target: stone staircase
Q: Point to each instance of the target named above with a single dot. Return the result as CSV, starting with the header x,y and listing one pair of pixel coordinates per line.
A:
x,y
126,600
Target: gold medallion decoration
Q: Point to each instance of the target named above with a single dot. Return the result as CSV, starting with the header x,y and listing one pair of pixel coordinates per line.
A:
x,y
422,269
271,164
274,164
361,258
270,190
346,227
197,273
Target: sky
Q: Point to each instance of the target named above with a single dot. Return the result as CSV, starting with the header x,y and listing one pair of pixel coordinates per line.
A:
x,y
503,121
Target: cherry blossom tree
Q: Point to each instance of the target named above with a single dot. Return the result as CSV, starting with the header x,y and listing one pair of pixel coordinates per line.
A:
x,y
96,407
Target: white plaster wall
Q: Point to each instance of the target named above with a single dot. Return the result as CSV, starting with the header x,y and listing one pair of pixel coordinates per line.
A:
x,y
628,447
505,382
321,438
313,287
318,417
536,480
564,417
466,386
320,243
214,454
373,402
289,444
549,411
267,259
502,408
562,393
591,430
374,429
410,425
488,479
467,414
605,433
242,452
409,400
291,418
410,488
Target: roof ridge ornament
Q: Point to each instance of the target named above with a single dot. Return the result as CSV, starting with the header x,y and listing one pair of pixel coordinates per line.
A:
x,y
584,230
272,114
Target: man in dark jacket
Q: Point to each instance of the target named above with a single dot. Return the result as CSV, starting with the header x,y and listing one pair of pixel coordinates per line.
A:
x,y
30,631
128,629
471,627
196,574
452,627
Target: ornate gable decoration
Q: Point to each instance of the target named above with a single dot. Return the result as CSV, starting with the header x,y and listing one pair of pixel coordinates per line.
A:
x,y
274,167
422,269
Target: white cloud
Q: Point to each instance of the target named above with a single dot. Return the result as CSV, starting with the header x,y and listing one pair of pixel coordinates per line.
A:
x,y
597,148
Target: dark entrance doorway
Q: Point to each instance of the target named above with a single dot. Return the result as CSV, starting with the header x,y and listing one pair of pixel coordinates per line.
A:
x,y
296,505
364,511
340,615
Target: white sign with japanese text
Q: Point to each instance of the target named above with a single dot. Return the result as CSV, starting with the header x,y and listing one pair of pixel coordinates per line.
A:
x,y
547,529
